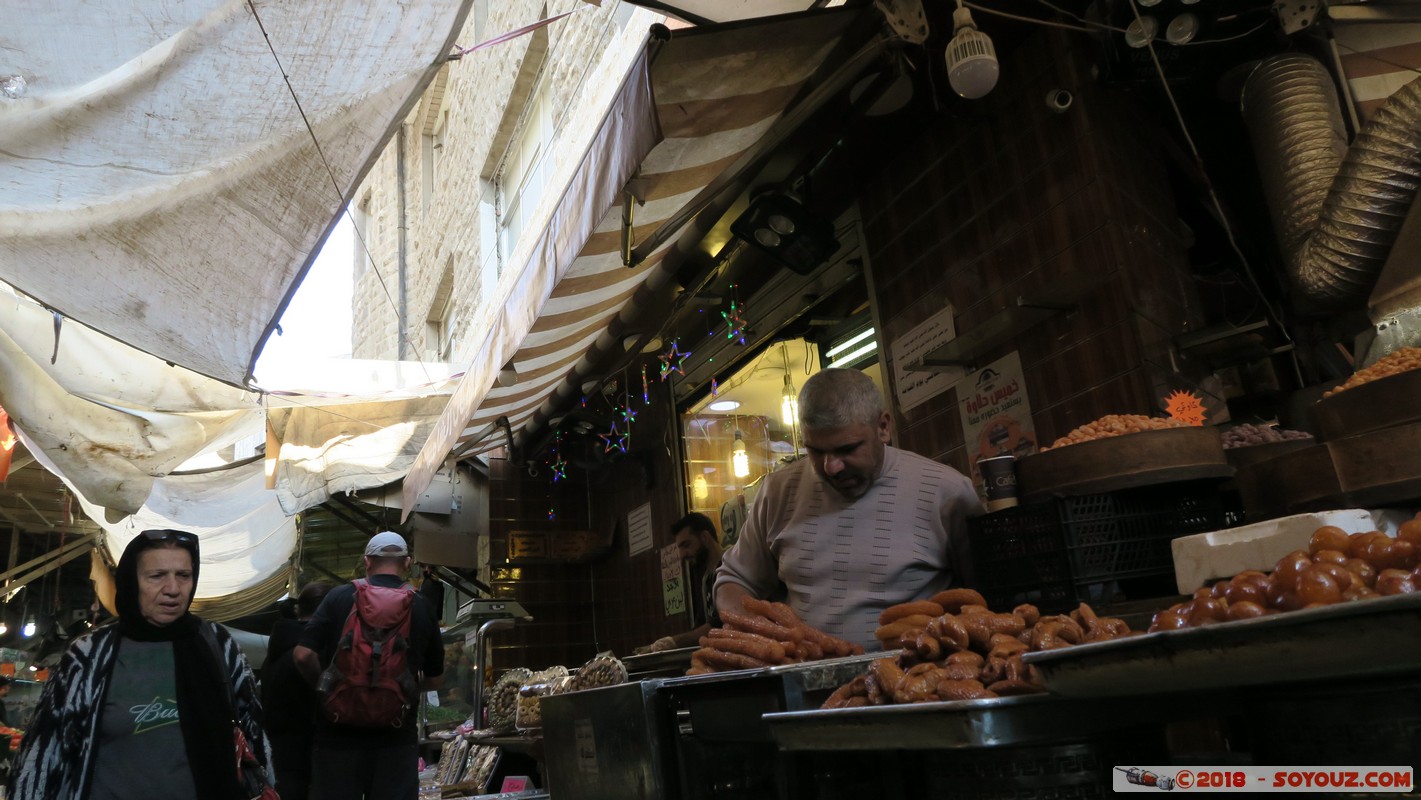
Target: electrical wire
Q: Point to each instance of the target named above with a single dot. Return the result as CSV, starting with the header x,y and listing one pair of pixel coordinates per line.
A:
x,y
1032,20
1214,197
330,172
1093,26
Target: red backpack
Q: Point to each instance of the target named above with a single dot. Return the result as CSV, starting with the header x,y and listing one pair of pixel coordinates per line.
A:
x,y
369,683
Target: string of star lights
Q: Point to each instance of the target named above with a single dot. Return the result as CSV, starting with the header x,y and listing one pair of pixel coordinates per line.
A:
x,y
674,354
645,387
735,322
614,439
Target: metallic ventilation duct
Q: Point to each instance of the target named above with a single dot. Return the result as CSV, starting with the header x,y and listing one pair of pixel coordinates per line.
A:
x,y
1336,211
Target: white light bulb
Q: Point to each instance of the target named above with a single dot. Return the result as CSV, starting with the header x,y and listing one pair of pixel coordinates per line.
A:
x,y
740,459
972,67
789,403
29,629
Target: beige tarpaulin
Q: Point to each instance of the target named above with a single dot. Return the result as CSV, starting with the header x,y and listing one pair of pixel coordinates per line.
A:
x,y
147,445
157,178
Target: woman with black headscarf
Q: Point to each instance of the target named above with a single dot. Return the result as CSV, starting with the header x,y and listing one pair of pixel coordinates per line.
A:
x,y
144,709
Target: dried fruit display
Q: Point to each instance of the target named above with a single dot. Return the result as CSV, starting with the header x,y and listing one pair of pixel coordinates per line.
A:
x,y
1248,434
1115,425
965,651
1337,567
1403,360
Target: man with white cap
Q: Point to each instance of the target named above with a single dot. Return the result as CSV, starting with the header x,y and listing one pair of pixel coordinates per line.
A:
x,y
377,762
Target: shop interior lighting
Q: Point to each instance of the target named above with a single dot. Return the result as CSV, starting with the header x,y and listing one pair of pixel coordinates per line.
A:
x,y
851,357
739,458
29,629
778,224
724,405
699,488
845,345
789,398
971,58
4,629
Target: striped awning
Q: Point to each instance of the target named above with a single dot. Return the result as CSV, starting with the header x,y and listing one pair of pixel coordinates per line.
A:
x,y
717,93
1378,56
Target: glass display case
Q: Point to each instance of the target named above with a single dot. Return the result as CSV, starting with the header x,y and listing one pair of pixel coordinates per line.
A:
x,y
461,688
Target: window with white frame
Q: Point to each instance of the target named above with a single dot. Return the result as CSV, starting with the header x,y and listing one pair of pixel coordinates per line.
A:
x,y
523,177
441,322
430,155
360,213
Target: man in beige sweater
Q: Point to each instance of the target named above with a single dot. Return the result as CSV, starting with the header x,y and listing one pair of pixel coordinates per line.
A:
x,y
856,527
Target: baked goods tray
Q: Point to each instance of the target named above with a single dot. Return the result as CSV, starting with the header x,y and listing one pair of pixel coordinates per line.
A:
x,y
1380,636
959,724
810,675
659,662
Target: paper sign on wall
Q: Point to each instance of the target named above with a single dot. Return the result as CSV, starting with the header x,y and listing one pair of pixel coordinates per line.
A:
x,y
673,590
673,595
916,387
996,414
639,530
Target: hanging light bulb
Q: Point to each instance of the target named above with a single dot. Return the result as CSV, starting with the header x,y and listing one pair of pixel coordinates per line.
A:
x,y
739,458
789,403
4,629
29,629
971,58
699,488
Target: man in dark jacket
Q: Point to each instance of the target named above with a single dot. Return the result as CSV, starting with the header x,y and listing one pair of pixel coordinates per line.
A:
x,y
375,763
289,701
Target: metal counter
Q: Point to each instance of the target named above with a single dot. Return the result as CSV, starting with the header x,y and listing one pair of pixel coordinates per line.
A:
x,y
996,722
612,743
1346,641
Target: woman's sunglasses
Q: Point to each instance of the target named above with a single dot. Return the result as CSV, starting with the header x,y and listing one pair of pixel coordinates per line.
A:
x,y
165,535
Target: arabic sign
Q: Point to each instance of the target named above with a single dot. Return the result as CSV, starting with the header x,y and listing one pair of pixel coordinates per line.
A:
x,y
996,414
916,387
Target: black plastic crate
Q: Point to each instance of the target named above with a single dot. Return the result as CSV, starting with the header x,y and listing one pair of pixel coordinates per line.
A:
x,y
1064,550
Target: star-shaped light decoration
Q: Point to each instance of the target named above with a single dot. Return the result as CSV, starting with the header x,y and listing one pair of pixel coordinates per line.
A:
x,y
615,440
715,388
674,354
645,387
559,468
628,414
552,515
735,323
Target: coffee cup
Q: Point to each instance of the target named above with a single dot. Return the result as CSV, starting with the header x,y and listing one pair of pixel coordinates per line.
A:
x,y
999,480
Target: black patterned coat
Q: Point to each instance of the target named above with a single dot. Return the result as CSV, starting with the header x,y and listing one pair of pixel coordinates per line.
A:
x,y
56,758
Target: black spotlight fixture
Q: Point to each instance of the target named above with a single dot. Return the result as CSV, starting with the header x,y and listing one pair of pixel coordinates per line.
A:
x,y
782,227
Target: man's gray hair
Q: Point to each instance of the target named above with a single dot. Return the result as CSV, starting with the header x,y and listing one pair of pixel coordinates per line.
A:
x,y
836,398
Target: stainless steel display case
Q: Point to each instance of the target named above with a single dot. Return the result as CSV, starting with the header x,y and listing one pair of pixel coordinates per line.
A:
x,y
723,748
612,743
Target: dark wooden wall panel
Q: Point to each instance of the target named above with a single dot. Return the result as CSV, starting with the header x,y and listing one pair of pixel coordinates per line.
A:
x,y
613,602
979,210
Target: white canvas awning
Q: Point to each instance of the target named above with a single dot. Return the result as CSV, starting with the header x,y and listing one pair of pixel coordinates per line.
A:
x,y
143,444
717,94
158,181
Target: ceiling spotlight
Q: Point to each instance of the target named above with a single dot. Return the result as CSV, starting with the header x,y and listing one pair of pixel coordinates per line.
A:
x,y
1141,32
779,224
1182,29
971,59
724,405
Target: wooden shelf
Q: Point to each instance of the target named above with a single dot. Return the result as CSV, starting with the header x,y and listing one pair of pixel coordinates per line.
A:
x,y
1044,302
